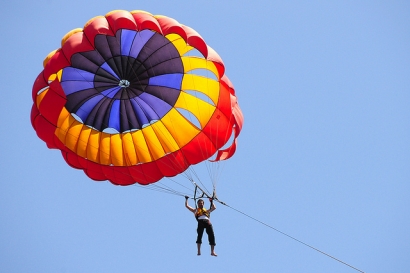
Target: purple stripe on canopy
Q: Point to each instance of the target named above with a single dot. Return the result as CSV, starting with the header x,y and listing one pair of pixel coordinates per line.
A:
x,y
159,106
169,95
84,111
148,111
70,87
140,40
142,118
74,74
89,61
108,68
114,121
167,80
127,37
111,92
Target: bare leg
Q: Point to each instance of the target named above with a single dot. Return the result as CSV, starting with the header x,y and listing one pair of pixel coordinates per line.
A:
x,y
199,249
212,251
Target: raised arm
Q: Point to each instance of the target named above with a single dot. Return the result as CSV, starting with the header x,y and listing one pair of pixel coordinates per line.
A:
x,y
213,207
188,206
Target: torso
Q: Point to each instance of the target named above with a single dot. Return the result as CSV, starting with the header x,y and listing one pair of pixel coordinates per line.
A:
x,y
201,214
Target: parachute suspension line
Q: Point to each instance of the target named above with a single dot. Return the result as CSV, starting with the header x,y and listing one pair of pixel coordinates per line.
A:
x,y
220,166
204,188
158,189
162,187
175,182
215,171
293,238
210,166
190,174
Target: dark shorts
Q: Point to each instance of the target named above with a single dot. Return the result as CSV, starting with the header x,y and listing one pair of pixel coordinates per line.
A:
x,y
205,225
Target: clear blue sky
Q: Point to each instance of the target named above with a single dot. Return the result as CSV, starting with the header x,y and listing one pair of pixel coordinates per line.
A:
x,y
324,154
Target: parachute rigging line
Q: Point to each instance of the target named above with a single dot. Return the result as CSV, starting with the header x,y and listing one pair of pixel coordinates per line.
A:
x,y
293,238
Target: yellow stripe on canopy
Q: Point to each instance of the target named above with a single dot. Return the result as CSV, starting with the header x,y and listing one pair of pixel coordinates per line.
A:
x,y
141,147
105,146
83,141
154,145
199,108
63,125
164,136
64,115
59,75
73,135
206,86
179,43
117,157
93,147
190,63
130,156
177,123
52,77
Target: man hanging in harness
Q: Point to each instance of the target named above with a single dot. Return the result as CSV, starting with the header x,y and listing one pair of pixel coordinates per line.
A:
x,y
202,215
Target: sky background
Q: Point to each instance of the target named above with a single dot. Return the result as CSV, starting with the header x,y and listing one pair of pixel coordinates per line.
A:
x,y
323,155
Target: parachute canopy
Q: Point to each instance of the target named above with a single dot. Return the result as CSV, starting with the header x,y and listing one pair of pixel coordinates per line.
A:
x,y
134,97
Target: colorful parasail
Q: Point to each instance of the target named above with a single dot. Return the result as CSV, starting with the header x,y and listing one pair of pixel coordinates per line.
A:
x,y
133,97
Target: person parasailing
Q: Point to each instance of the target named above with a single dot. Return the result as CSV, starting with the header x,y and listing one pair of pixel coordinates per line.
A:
x,y
202,215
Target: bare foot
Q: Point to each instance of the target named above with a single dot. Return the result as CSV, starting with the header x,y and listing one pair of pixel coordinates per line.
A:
x,y
214,254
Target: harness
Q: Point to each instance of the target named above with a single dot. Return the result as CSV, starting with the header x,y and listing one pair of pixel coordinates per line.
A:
x,y
199,212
